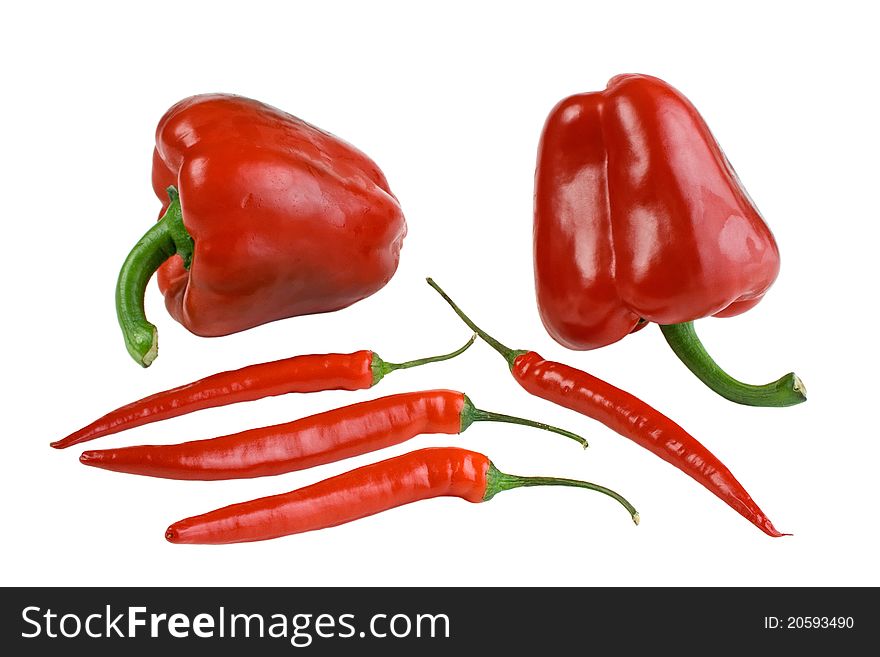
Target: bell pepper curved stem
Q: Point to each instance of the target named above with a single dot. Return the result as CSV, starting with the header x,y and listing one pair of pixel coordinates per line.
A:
x,y
786,391
471,414
381,367
509,354
168,237
497,481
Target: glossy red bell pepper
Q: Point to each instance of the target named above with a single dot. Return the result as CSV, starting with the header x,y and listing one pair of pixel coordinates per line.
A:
x,y
639,217
267,217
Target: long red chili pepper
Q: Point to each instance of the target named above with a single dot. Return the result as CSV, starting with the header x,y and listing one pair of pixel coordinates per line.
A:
x,y
419,475
311,373
628,416
314,440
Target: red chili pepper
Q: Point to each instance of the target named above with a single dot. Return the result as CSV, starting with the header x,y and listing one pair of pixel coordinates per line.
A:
x,y
628,416
275,218
323,438
419,475
640,217
313,373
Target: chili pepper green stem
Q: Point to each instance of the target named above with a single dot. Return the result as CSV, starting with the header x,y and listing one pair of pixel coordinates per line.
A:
x,y
165,239
509,354
380,367
471,414
497,481
786,391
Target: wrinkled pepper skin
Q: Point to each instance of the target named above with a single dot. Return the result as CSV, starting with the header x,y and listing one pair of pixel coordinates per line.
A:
x,y
639,215
286,219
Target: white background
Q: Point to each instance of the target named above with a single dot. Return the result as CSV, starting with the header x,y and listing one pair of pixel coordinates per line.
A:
x,y
450,102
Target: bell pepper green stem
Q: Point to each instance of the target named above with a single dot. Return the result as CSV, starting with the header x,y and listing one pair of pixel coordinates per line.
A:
x,y
497,481
380,367
471,414
509,354
168,237
786,391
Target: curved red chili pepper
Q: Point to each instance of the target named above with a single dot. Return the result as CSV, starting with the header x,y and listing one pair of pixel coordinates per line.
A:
x,y
419,475
323,438
628,416
311,373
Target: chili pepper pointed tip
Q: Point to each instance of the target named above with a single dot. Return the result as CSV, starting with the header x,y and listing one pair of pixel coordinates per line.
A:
x,y
770,530
91,457
172,535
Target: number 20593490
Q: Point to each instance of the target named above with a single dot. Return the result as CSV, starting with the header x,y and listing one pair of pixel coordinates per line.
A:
x,y
809,622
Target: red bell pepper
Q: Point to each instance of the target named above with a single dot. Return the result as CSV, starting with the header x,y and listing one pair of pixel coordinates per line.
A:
x,y
274,218
639,217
